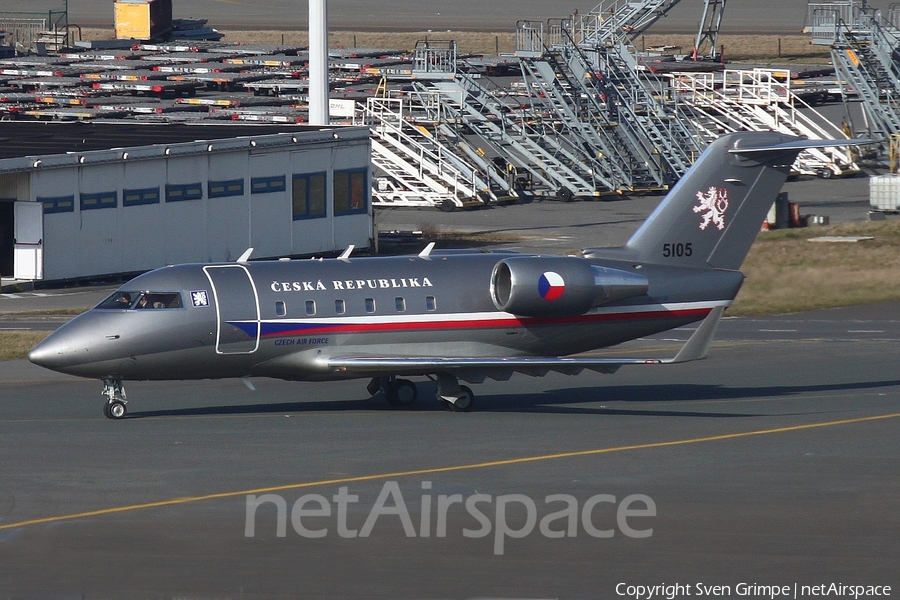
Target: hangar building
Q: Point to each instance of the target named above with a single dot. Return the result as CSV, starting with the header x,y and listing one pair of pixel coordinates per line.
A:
x,y
79,200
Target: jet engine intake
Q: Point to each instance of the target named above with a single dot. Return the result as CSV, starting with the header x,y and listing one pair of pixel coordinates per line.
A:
x,y
559,286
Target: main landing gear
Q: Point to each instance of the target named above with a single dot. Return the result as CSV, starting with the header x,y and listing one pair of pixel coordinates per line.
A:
x,y
458,398
403,393
114,393
398,392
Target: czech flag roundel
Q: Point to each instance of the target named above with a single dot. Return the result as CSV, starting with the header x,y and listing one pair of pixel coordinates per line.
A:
x,y
551,286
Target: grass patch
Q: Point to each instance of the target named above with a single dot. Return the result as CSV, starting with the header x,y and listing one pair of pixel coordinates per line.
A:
x,y
787,273
56,312
783,48
16,344
457,239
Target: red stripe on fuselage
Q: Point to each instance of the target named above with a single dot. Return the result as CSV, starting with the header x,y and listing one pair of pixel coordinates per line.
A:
x,y
699,313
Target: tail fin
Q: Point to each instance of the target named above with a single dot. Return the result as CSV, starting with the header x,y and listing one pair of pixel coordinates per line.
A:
x,y
713,214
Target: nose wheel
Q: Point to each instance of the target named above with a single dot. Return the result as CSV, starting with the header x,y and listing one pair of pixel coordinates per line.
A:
x,y
114,410
114,393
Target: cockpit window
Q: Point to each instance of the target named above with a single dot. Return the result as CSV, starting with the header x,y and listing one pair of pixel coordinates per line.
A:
x,y
142,300
119,300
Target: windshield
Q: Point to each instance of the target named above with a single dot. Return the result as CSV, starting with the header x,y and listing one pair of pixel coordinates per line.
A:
x,y
141,300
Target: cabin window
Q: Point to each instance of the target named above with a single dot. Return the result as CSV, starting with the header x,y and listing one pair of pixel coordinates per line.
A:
x,y
400,303
370,305
310,307
280,309
430,303
339,306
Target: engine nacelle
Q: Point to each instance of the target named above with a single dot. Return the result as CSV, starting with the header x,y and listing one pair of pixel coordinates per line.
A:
x,y
559,286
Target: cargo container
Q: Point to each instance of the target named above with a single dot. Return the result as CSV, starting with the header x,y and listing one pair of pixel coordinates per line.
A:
x,y
884,192
143,19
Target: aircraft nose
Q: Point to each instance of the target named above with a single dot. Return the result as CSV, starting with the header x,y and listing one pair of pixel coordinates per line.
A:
x,y
49,353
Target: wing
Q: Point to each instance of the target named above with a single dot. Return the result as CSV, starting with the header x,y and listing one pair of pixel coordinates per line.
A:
x,y
501,367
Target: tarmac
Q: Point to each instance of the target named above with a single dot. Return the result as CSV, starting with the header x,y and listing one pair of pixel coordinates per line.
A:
x,y
773,462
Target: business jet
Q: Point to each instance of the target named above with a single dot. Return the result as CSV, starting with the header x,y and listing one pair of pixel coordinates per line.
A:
x,y
448,316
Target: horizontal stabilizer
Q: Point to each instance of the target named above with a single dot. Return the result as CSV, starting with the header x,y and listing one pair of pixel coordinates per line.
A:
x,y
801,144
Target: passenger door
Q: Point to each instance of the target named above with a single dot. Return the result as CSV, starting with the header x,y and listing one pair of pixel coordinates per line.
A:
x,y
237,309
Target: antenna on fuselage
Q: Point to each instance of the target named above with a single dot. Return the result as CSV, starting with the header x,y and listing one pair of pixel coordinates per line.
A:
x,y
426,253
245,256
345,255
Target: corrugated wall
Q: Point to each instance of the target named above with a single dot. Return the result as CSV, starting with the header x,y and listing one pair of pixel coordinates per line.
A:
x,y
141,233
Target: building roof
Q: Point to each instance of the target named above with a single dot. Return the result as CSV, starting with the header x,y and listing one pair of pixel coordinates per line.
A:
x,y
36,138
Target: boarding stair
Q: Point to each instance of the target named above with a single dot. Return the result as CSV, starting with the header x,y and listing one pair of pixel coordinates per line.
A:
x,y
559,105
617,22
870,69
864,49
641,103
479,115
761,100
410,170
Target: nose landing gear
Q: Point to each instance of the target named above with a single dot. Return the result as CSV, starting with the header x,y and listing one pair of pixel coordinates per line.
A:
x,y
114,393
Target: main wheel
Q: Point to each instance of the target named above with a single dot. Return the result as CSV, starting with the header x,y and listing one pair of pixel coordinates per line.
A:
x,y
464,401
115,410
402,392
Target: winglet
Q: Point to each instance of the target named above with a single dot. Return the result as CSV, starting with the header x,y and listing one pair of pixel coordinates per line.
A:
x,y
245,256
697,347
345,255
426,253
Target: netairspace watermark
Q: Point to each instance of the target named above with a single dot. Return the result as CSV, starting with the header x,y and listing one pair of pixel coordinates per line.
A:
x,y
491,513
750,590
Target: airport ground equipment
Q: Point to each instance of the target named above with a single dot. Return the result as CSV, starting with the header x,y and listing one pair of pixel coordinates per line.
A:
x,y
616,22
706,44
411,168
863,49
555,165
762,99
561,81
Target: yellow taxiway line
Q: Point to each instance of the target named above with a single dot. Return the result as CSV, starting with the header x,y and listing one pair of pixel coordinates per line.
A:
x,y
435,470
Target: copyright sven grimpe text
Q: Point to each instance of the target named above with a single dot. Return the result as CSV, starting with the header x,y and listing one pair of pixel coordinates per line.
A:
x,y
750,590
